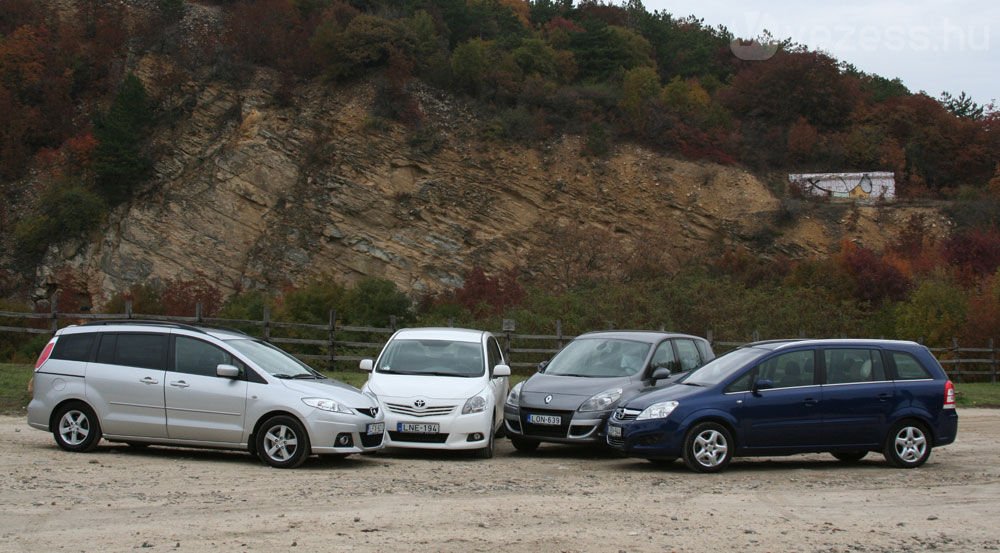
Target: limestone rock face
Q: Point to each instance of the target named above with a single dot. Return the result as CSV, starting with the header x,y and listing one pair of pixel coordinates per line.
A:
x,y
251,192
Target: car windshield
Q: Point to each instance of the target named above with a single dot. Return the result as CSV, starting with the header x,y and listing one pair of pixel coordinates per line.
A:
x,y
432,358
599,358
273,360
722,367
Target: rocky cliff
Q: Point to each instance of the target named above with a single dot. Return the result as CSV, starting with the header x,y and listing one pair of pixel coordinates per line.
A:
x,y
253,192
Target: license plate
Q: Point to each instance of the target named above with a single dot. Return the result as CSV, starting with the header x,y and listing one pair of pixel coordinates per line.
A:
x,y
549,420
418,427
376,428
614,432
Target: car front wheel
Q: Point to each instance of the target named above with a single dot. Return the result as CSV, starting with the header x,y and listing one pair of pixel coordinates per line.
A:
x,y
708,447
282,442
908,445
76,428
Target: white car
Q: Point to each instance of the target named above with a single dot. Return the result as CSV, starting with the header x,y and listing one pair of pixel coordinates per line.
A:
x,y
440,388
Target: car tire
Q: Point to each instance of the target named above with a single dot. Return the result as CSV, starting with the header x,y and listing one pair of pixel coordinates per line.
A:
x,y
524,445
282,442
708,447
849,456
76,428
908,445
487,452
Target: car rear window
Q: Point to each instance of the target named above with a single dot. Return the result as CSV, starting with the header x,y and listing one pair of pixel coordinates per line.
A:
x,y
73,347
908,368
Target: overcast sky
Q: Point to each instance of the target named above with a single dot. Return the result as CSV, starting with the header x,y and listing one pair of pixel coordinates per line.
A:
x,y
931,45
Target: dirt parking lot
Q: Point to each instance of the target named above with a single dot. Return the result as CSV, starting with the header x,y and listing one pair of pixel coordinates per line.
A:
x,y
558,499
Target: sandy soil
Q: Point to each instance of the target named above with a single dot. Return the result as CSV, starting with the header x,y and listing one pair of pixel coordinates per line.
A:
x,y
560,499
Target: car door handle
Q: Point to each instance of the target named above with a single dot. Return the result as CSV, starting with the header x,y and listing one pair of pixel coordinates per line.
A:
x,y
810,402
149,380
884,397
179,384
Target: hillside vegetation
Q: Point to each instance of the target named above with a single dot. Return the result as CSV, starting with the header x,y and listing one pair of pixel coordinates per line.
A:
x,y
78,126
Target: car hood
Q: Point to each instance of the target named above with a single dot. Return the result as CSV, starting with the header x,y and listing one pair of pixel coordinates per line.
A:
x,y
674,392
330,388
429,387
567,392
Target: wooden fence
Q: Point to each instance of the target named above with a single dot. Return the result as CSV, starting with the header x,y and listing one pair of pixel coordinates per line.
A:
x,y
336,346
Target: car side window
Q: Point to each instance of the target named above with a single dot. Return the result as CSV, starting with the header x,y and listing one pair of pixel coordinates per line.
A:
x,y
493,353
687,351
907,367
141,350
73,347
664,356
853,365
787,370
197,357
741,384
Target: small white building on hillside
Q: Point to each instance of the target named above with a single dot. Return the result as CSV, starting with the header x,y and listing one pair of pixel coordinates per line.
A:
x,y
879,185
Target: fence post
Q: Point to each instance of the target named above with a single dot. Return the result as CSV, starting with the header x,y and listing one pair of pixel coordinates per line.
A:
x,y
755,336
54,313
392,323
267,324
709,337
197,312
128,309
958,364
559,338
993,362
332,345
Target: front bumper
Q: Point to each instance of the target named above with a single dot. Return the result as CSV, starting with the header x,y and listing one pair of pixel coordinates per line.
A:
x,y
647,439
329,431
575,427
455,430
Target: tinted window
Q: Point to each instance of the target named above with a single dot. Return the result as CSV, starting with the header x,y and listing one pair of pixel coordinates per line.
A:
x,y
141,350
853,365
907,367
688,353
73,347
795,368
196,357
106,351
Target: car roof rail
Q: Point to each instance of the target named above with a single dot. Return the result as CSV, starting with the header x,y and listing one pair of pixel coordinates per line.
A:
x,y
775,341
146,322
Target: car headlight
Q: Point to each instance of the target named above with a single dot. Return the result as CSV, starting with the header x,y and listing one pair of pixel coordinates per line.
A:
x,y
325,404
475,404
602,401
658,410
514,397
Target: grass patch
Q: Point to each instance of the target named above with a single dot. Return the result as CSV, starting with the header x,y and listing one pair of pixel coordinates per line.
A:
x,y
14,396
977,394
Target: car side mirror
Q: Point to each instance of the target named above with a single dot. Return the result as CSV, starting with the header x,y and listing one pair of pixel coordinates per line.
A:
x,y
501,370
227,371
762,384
542,365
366,365
661,373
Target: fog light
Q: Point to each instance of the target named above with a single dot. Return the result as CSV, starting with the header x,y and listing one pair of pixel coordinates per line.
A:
x,y
344,440
475,437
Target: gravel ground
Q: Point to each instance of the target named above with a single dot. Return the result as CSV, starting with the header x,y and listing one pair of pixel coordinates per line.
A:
x,y
559,499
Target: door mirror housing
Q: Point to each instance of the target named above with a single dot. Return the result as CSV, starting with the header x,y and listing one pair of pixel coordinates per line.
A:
x,y
227,371
366,365
762,384
501,370
660,373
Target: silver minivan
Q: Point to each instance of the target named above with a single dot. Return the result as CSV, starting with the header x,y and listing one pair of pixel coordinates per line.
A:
x,y
172,384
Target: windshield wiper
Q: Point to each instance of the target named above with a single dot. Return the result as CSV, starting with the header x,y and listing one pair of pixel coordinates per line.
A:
x,y
305,376
282,376
692,384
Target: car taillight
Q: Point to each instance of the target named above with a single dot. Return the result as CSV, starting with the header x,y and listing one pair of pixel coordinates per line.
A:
x,y
949,395
45,353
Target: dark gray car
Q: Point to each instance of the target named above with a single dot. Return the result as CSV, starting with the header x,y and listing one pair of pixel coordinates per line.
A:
x,y
570,398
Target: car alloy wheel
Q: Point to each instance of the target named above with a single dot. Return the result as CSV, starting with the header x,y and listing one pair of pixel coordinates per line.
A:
x,y
282,442
908,445
76,428
708,447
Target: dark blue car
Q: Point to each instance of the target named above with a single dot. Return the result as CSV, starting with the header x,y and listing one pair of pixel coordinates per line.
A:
x,y
845,397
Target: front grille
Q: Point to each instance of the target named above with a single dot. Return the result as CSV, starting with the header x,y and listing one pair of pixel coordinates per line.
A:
x,y
428,411
623,414
544,430
372,440
371,411
418,438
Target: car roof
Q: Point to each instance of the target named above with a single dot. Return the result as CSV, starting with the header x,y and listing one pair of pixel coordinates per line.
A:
x,y
776,345
440,333
650,336
141,325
